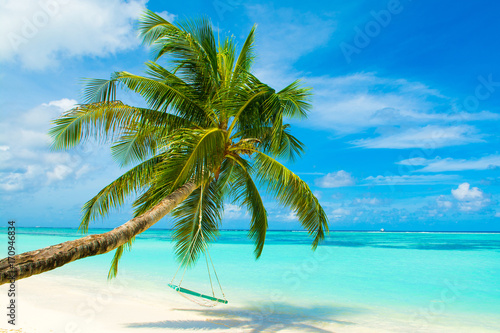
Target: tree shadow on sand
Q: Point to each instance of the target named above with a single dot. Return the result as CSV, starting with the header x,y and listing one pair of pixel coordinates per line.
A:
x,y
270,317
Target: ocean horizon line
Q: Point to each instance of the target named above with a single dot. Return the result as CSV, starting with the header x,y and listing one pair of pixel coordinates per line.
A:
x,y
291,230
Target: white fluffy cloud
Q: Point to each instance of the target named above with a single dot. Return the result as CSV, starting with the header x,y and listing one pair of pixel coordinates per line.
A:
x,y
444,203
470,199
366,202
25,160
355,102
408,179
465,193
428,137
340,213
342,178
449,164
280,214
39,33
335,179
232,211
406,114
415,161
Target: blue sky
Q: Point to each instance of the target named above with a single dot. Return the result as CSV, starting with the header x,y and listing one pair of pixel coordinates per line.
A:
x,y
403,134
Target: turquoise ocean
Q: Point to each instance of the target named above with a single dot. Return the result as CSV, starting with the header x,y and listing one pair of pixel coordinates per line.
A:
x,y
408,282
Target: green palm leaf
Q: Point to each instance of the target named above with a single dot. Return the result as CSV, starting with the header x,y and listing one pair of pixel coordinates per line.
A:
x,y
246,194
162,95
295,100
293,192
193,155
115,193
196,222
113,270
246,57
106,121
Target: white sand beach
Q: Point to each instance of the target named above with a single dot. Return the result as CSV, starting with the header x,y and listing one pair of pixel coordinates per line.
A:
x,y
58,303
74,305
53,303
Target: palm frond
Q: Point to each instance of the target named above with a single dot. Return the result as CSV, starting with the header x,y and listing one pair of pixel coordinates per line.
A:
x,y
135,145
190,44
246,56
246,194
141,140
194,155
224,175
197,222
115,193
105,121
99,90
249,99
226,57
198,155
290,147
204,47
113,269
188,89
293,192
282,144
160,95
153,27
295,100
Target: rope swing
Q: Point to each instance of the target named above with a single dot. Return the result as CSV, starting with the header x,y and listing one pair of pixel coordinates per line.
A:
x,y
193,296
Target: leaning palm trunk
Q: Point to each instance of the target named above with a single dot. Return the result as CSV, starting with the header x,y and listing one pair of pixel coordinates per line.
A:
x,y
49,258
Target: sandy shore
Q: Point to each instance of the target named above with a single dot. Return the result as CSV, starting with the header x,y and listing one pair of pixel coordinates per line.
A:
x,y
58,303
52,303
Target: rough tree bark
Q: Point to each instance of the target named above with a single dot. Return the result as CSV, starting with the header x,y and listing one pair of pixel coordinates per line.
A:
x,y
43,260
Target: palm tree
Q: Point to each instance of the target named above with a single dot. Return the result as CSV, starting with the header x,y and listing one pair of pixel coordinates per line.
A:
x,y
209,132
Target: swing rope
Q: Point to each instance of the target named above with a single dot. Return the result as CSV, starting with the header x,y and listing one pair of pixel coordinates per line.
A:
x,y
210,277
184,292
215,272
